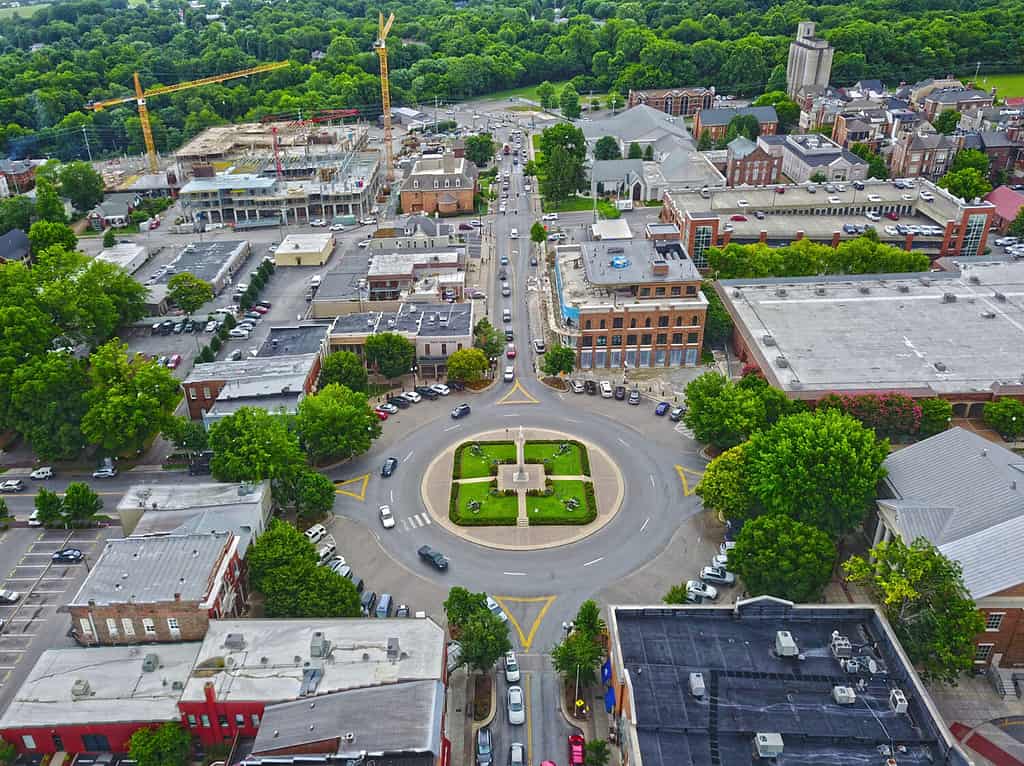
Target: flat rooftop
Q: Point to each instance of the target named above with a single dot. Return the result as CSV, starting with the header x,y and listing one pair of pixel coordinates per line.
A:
x,y
780,228
924,334
248,368
628,262
272,660
205,260
406,263
305,243
198,496
750,688
300,339
153,569
417,319
119,690
347,282
226,181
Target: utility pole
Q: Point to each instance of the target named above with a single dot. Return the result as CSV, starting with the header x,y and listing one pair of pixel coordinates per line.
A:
x,y
88,151
435,114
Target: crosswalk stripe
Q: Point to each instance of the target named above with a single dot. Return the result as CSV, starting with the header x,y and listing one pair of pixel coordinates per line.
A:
x,y
426,519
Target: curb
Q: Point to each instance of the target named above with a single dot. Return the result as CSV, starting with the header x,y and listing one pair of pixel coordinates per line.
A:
x,y
569,719
477,725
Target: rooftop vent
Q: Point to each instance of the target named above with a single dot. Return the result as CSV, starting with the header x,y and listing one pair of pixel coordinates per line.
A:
x,y
319,645
768,339
150,663
843,695
781,361
780,292
840,646
621,262
769,745
177,685
819,290
80,688
350,736
988,314
785,644
949,297
898,701
999,297
864,289
697,684
904,288
940,366
393,650
234,641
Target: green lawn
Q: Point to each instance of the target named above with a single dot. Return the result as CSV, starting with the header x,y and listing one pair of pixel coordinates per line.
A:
x,y
25,11
567,464
576,204
527,91
1007,85
551,510
472,467
496,511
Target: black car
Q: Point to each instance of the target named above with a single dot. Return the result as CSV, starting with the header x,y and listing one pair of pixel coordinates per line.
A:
x,y
461,411
502,274
389,467
402,611
67,556
166,326
367,602
435,558
590,386
427,392
399,401
620,392
484,747
508,334
455,385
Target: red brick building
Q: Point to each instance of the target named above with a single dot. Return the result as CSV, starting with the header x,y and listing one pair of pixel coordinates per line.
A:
x,y
749,164
19,175
159,589
445,185
716,121
685,102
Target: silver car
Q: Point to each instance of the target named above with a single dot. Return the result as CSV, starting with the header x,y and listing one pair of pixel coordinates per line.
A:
x,y
516,706
717,575
516,754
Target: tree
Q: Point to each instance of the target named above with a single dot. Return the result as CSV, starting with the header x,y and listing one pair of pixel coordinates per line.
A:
x,y
81,503
187,435
743,125
563,148
49,507
251,445
47,404
778,556
649,152
966,184
16,213
46,234
820,468
970,158
569,102
946,122
876,165
588,619
819,177
392,354
546,95
345,369
705,142
305,590
677,594
48,204
636,151
723,487
188,292
280,545
467,365
922,594
129,401
82,185
578,654
607,148
336,423
721,413
559,360
595,753
480,148
786,109
1017,226
166,745
717,322
109,238
484,638
614,100
488,339
461,604
538,233
315,495
1006,416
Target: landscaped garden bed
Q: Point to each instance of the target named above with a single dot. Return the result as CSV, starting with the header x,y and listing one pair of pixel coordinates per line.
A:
x,y
478,504
473,459
560,458
554,509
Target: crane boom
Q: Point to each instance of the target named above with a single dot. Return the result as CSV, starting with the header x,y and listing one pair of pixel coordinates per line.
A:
x,y
385,89
140,97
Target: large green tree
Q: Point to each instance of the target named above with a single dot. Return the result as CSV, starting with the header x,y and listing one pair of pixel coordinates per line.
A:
x,y
487,338
392,354
820,468
1006,416
81,184
946,122
538,233
280,545
315,495
778,556
48,204
47,404
49,508
787,110
559,360
970,158
924,598
966,184
578,656
1017,225
722,413
344,368
569,102
563,149
169,744
336,423
876,165
723,487
305,590
188,435
188,292
484,639
546,95
252,444
467,365
607,148
461,604
46,234
81,503
480,148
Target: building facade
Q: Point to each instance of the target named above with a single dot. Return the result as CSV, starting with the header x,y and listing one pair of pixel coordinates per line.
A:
x,y
679,102
251,380
810,61
715,122
748,164
954,99
813,156
922,154
445,185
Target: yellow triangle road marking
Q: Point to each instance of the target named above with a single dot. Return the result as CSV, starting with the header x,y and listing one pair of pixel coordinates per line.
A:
x,y
687,489
363,480
527,397
525,640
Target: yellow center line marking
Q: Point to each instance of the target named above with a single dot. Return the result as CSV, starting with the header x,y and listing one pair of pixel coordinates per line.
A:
x,y
528,398
525,640
687,489
364,480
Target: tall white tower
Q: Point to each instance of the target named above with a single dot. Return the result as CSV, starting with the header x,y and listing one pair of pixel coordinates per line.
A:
x,y
810,61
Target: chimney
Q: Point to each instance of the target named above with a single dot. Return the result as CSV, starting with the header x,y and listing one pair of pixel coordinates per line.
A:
x,y
209,693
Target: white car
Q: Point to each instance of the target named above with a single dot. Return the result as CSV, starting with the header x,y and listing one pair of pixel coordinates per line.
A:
x,y
510,374
511,668
549,217
106,472
874,198
238,332
701,589
337,227
389,408
386,519
12,485
556,237
516,707
368,221
364,243
496,609
871,215
45,472
834,200
538,346
316,533
318,222
441,388
475,222
717,575
725,547
211,326
9,596
891,231
606,389
412,396
1006,241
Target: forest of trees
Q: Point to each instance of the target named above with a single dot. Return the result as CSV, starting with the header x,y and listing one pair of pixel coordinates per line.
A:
x,y
91,48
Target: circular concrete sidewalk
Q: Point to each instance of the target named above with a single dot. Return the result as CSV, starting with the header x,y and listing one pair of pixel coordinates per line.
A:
x,y
609,488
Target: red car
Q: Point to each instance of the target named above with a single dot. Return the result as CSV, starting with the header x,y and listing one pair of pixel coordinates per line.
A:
x,y
738,217
174,361
260,309
381,414
892,215
575,750
510,351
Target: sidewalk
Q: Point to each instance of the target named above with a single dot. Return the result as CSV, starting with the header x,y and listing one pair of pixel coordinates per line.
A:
x,y
597,725
460,717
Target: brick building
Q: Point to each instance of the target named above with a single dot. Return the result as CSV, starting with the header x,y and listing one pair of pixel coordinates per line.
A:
x,y
1008,204
1005,153
444,185
922,154
159,589
749,164
716,121
963,494
18,176
679,102
956,99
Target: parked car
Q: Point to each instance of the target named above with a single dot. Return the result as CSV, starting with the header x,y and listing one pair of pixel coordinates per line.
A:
x,y
337,227
67,556
461,411
511,668
484,747
717,575
576,387
661,409
549,217
496,610
441,389
510,351
387,407
402,610
435,558
412,397
318,222
576,749
516,706
12,485
238,332
737,217
316,533
676,414
9,596
510,374
465,227
106,472
389,467
620,392
44,472
606,390
701,589
538,346
634,397
367,602
387,520
516,754
381,415
456,385
428,392
174,361
726,546
590,386
533,260
399,402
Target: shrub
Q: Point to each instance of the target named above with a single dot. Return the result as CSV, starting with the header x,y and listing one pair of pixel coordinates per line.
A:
x,y
215,344
936,415
1006,416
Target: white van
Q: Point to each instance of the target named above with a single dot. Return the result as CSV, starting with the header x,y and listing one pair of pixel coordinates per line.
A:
x,y
515,233
606,389
314,281
327,550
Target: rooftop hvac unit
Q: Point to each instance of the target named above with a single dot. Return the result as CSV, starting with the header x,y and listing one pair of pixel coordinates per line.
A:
x,y
234,641
697,688
974,280
819,290
780,292
769,745
864,289
150,663
319,645
949,297
843,695
904,288
80,688
768,340
840,646
785,644
393,650
940,366
177,685
898,701
999,297
781,361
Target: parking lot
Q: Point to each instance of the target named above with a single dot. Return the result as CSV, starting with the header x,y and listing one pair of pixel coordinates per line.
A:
x,y
32,624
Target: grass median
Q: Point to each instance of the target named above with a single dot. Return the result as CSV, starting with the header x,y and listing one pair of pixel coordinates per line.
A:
x,y
568,463
500,510
471,466
551,510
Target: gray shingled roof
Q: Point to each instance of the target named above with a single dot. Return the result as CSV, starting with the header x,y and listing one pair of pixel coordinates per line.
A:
x,y
965,494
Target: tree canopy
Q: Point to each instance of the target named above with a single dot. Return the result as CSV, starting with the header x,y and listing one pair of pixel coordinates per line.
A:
x,y
480,148
336,423
393,354
966,184
778,556
607,148
251,444
559,360
346,369
169,744
279,545
467,365
188,292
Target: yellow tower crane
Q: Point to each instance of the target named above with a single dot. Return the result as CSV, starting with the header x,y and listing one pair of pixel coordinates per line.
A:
x,y
141,96
381,45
